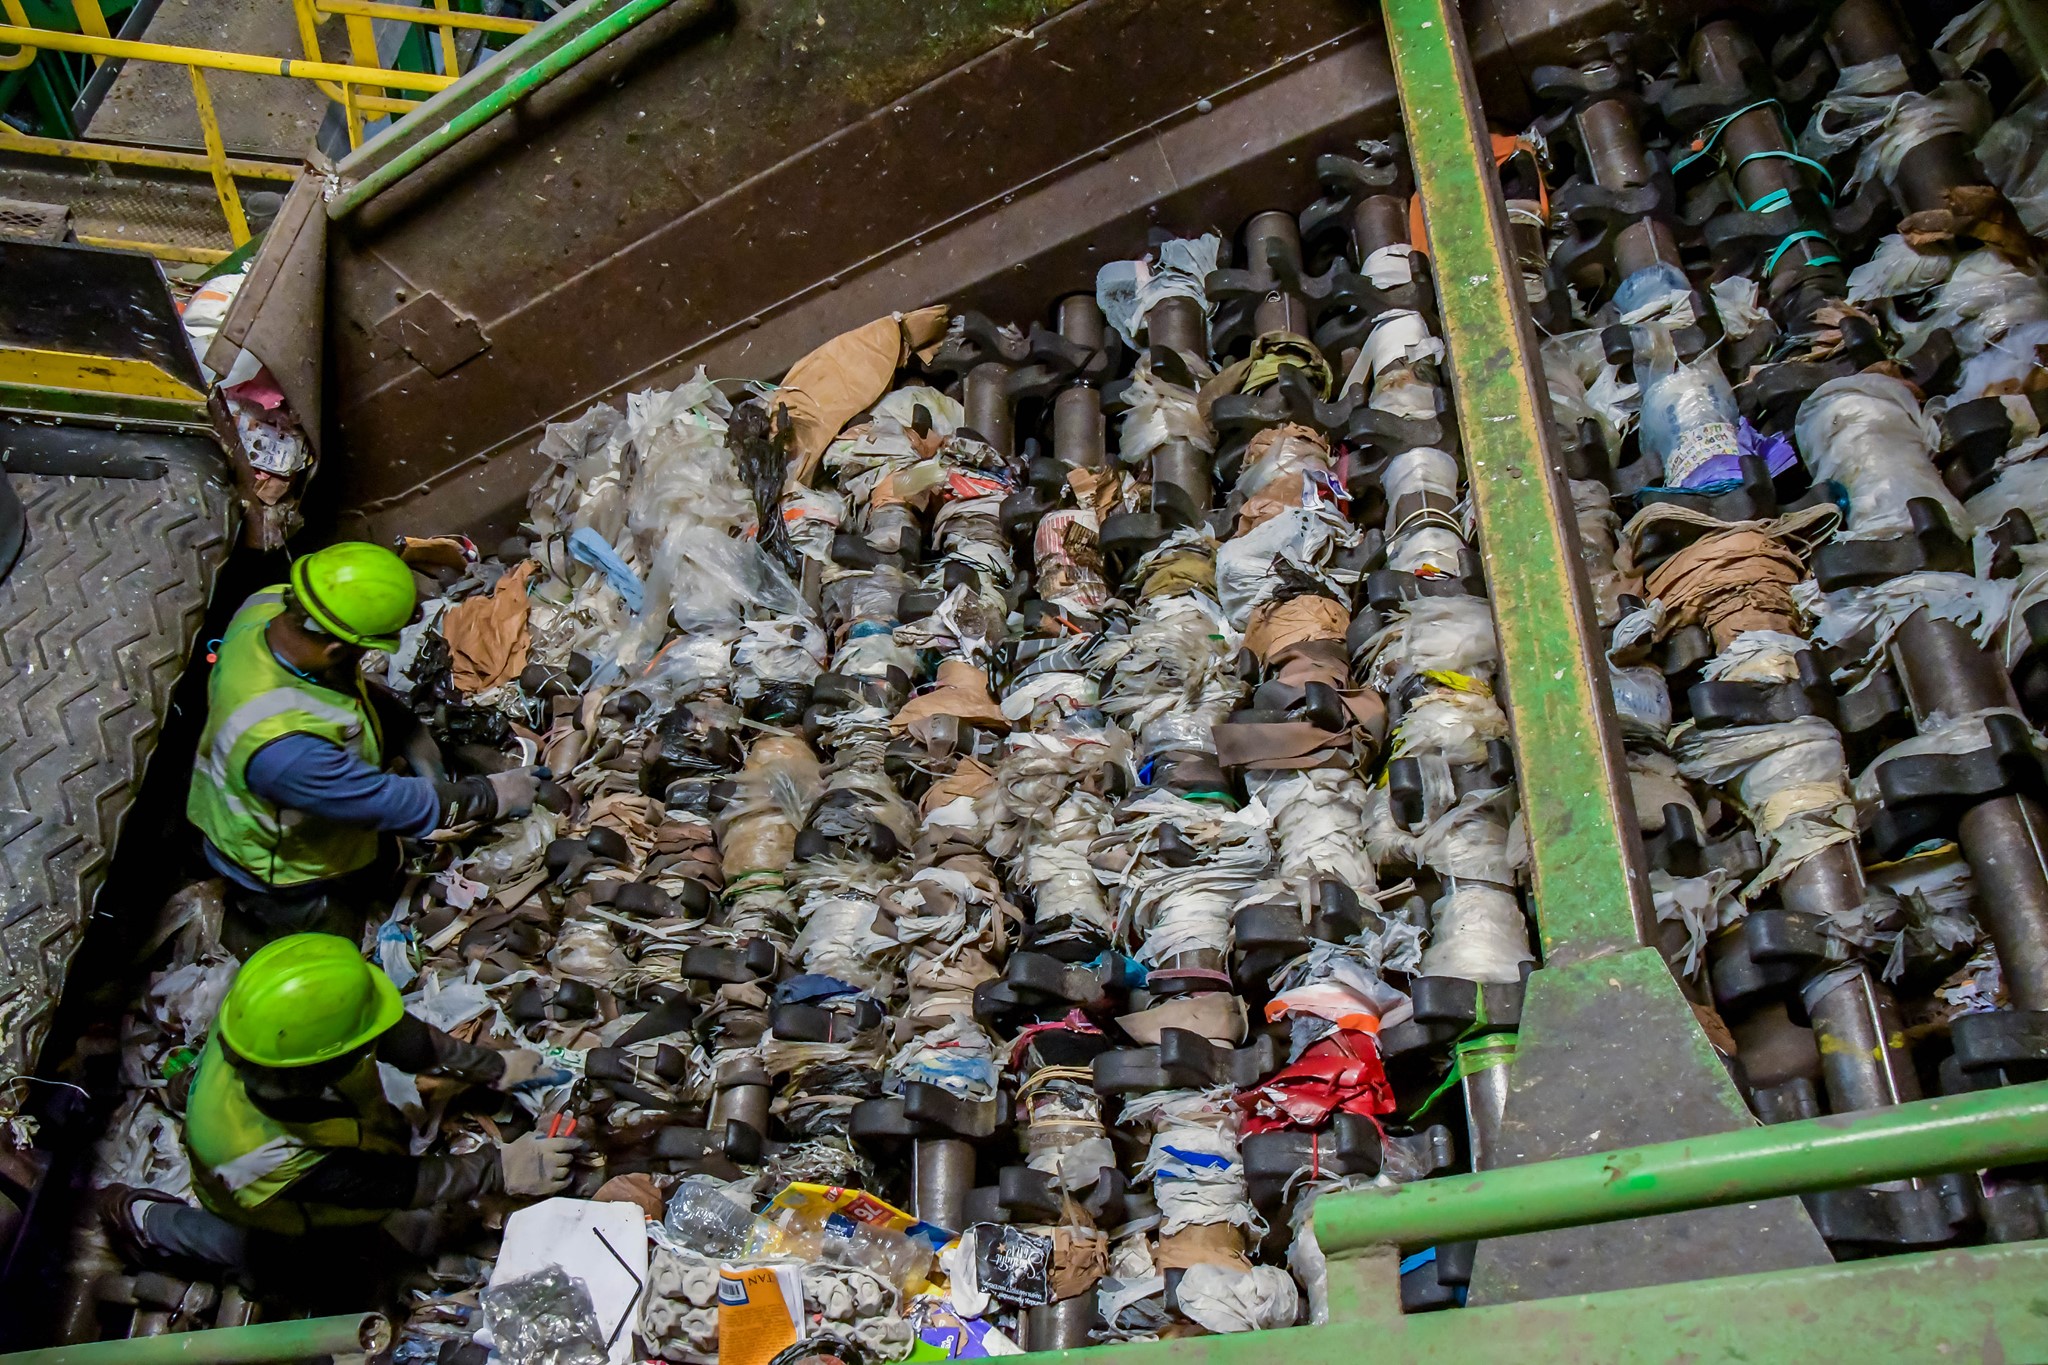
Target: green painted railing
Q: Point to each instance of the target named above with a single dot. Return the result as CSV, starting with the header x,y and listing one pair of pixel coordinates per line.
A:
x,y
1971,1132
257,1344
537,59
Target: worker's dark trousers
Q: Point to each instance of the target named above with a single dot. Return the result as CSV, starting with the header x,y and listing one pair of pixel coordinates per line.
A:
x,y
326,1265
179,1232
341,906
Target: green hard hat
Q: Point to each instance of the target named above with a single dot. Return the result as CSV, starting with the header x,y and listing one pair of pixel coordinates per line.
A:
x,y
356,591
305,999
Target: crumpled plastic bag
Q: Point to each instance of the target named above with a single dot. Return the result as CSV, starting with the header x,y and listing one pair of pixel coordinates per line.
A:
x,y
1866,432
2014,153
1127,290
545,1318
1225,1300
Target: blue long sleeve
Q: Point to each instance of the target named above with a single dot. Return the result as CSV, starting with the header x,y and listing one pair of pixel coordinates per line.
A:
x,y
305,773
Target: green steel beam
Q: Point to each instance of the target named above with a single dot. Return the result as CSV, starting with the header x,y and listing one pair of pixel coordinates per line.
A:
x,y
258,1344
499,85
1969,1132
1574,786
1611,1053
1983,1306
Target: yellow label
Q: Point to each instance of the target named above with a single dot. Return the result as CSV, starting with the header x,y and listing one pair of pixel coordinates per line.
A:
x,y
759,1308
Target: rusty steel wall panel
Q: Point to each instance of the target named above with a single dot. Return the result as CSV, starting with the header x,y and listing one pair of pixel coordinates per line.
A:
x,y
732,198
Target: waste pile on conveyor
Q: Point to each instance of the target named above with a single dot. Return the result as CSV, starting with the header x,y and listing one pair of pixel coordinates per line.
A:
x,y
1803,444
1032,808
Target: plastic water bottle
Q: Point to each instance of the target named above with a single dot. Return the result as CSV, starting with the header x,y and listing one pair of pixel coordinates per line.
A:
x,y
1690,420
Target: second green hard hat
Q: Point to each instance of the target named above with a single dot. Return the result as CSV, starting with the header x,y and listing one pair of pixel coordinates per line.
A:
x,y
306,999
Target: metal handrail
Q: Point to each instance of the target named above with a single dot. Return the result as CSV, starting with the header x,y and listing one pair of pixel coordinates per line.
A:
x,y
534,61
360,89
1970,1132
357,16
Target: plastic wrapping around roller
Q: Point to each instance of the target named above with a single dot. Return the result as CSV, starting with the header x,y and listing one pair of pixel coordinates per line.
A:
x,y
1036,804
1788,468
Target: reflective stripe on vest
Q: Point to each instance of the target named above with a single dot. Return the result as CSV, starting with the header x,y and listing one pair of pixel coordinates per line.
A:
x,y
252,699
244,1162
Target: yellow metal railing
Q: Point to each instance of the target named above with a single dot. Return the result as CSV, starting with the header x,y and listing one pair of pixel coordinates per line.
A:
x,y
362,86
357,17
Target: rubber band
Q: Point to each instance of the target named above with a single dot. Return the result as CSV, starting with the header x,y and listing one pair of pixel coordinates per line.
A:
x,y
1803,235
1808,162
1711,134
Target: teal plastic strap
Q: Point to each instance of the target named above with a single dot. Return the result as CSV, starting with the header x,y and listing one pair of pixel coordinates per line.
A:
x,y
1804,235
1776,154
1711,134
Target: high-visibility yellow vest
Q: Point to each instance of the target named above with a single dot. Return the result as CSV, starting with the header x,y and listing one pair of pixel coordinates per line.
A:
x,y
252,699
244,1162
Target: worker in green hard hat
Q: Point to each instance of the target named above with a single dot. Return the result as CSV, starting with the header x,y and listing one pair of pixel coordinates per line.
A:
x,y
290,787
288,1127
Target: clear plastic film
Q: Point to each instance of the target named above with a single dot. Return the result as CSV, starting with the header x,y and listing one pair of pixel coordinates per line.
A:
x,y
1979,605
1642,701
1985,297
1756,656
1063,885
1062,1121
1959,107
1196,917
1422,538
1456,723
1583,384
545,1318
1735,301
1278,459
1180,656
1598,526
1866,432
1318,823
1127,290
1306,538
838,939
1702,904
1159,412
1477,933
2014,153
2021,488
1226,1299
2005,364
1896,269
1196,1172
1856,107
1791,779
1435,635
1475,840
1658,293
